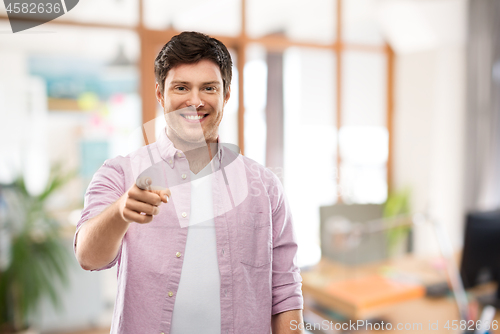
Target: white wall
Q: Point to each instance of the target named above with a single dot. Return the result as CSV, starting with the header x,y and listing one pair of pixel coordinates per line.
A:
x,y
429,124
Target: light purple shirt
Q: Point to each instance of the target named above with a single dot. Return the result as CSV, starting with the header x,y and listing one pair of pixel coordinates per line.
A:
x,y
256,247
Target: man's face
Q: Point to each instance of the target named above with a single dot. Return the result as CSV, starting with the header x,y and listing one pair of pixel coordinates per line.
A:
x,y
198,85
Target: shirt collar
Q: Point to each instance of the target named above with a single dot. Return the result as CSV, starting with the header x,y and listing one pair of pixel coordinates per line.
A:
x,y
169,153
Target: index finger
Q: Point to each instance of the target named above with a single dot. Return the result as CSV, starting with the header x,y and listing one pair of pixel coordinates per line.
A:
x,y
164,193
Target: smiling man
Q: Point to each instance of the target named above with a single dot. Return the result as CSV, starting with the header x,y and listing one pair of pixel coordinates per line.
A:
x,y
210,251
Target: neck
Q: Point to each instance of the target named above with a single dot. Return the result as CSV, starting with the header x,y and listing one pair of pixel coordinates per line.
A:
x,y
198,154
200,157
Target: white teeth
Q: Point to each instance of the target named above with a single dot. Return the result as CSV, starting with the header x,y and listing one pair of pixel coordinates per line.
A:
x,y
193,117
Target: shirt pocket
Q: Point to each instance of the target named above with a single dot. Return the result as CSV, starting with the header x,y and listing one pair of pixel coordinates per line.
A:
x,y
254,240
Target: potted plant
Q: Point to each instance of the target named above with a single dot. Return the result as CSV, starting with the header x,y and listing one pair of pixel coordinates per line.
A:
x,y
37,256
397,205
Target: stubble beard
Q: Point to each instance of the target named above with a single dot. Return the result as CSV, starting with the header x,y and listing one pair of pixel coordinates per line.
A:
x,y
181,137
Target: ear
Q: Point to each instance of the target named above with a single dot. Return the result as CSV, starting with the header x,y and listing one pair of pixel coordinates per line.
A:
x,y
159,95
228,95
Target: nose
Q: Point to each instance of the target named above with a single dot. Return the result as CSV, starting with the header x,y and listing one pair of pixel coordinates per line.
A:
x,y
195,100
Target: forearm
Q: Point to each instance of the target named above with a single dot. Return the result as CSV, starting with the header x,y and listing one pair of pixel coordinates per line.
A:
x,y
287,322
99,239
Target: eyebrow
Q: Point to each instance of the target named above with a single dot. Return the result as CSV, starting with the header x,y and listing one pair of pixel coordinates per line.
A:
x,y
187,83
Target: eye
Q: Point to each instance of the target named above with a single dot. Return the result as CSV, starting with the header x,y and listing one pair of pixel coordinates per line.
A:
x,y
180,88
210,89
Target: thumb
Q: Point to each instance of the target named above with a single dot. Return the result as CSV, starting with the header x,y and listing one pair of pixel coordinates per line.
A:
x,y
164,193
144,182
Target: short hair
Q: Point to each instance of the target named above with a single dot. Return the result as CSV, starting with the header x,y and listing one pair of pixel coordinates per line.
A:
x,y
190,47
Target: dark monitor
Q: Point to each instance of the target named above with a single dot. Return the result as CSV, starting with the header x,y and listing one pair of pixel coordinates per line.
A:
x,y
481,252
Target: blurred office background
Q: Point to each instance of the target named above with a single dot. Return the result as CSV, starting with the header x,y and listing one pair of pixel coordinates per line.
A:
x,y
347,101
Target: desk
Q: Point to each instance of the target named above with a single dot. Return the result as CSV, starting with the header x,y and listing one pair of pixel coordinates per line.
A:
x,y
422,310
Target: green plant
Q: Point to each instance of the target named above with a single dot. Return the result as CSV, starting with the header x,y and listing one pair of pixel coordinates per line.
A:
x,y
38,256
397,204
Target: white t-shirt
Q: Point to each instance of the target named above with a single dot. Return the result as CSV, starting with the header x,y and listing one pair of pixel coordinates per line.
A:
x,y
197,305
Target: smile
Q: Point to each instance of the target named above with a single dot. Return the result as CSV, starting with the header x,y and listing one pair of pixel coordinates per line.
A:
x,y
194,117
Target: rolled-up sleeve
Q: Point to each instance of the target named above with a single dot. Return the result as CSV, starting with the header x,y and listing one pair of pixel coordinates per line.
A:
x,y
286,280
107,186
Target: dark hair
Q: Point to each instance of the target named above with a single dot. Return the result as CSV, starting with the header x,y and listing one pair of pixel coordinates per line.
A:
x,y
190,47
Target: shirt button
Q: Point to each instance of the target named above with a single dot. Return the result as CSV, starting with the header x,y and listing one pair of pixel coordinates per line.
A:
x,y
178,254
179,155
184,215
170,293
183,176
222,251
169,161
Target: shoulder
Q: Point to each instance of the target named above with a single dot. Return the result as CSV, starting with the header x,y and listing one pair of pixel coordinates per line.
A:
x,y
232,153
134,162
118,163
143,153
263,175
